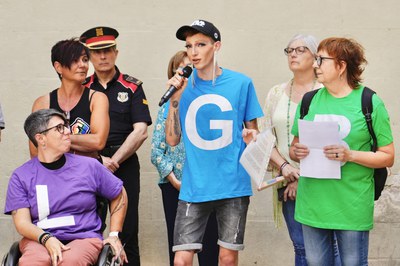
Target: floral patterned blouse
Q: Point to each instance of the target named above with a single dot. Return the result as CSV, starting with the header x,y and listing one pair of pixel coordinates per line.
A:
x,y
164,157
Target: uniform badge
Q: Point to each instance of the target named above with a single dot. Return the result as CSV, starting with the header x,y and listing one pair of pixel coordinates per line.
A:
x,y
99,32
122,97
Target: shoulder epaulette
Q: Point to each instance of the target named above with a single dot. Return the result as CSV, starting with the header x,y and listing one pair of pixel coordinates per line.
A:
x,y
129,82
132,80
88,81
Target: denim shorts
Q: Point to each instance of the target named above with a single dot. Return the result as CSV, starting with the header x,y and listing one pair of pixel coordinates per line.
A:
x,y
191,221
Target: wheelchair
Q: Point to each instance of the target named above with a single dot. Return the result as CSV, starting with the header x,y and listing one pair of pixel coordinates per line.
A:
x,y
105,257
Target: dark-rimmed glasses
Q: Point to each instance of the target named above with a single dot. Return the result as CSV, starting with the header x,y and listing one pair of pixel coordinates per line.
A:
x,y
299,50
60,128
319,59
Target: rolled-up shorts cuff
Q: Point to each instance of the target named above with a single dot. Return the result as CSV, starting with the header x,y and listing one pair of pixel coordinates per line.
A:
x,y
230,245
196,247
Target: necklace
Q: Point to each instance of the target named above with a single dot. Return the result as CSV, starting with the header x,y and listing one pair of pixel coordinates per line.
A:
x,y
288,110
66,104
67,114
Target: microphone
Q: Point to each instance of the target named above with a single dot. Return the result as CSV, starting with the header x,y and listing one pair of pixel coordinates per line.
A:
x,y
187,70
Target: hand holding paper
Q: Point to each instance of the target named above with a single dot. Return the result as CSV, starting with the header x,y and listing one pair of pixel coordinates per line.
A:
x,y
317,135
255,159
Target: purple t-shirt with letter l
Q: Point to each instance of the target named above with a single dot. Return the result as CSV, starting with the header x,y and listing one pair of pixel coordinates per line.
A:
x,y
63,201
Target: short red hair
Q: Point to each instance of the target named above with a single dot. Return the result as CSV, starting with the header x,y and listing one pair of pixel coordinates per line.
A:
x,y
349,51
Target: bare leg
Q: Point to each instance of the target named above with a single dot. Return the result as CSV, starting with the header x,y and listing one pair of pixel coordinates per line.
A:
x,y
184,258
228,257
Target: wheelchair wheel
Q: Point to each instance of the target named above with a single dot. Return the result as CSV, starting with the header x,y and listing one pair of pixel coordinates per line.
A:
x,y
106,257
12,257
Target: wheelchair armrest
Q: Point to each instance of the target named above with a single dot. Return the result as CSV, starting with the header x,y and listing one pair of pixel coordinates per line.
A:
x,y
13,255
105,256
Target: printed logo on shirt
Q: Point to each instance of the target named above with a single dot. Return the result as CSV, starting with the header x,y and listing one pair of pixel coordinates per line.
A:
x,y
43,205
122,97
225,126
79,126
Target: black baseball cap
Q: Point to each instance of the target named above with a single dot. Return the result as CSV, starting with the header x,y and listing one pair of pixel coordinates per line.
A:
x,y
99,37
202,26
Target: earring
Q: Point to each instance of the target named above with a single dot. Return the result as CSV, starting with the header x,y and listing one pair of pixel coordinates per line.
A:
x,y
214,68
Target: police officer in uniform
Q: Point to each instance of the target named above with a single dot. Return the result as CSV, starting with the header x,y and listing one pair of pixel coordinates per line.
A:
x,y
129,119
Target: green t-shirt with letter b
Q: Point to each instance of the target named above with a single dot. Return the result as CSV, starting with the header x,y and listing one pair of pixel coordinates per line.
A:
x,y
346,203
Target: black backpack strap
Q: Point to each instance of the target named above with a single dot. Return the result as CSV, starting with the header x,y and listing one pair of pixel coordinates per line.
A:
x,y
367,108
306,101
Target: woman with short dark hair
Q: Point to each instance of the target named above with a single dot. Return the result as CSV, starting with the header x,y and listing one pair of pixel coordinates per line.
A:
x,y
86,110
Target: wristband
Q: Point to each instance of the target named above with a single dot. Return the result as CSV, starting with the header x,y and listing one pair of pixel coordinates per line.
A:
x,y
282,166
47,237
114,233
41,237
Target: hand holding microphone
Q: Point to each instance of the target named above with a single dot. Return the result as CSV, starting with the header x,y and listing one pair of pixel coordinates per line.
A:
x,y
187,70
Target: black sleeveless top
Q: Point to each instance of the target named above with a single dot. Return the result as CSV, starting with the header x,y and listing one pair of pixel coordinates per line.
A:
x,y
79,116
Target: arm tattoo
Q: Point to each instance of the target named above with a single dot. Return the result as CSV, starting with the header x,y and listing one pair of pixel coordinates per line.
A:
x,y
176,127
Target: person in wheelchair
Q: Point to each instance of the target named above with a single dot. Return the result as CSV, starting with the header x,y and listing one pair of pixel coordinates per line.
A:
x,y
52,199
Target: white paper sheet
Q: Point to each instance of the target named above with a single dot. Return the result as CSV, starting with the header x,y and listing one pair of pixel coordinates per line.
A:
x,y
317,135
255,159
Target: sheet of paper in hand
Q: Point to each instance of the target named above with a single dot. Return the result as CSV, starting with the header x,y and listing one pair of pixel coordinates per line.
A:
x,y
317,135
255,160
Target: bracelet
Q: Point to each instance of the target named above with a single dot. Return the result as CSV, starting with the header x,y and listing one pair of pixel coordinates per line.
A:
x,y
41,237
282,166
47,237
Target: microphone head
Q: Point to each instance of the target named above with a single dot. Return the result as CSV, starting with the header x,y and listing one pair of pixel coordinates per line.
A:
x,y
187,70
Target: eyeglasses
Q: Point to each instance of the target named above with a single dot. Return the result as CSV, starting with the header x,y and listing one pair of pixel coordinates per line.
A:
x,y
299,50
60,128
319,59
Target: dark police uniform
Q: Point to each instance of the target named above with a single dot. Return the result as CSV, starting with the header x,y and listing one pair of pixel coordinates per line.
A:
x,y
128,105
